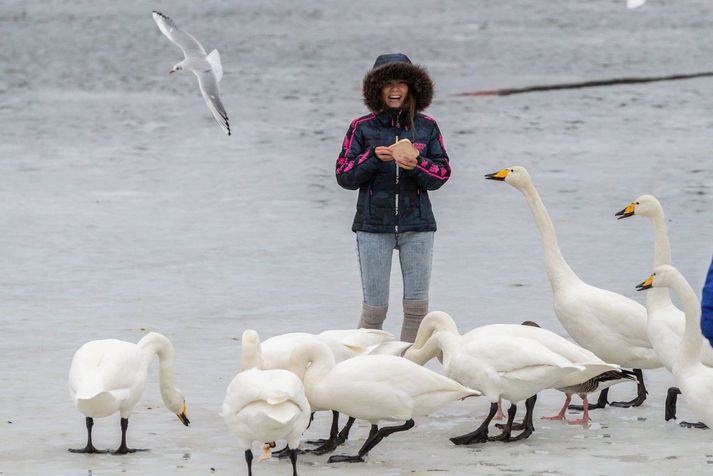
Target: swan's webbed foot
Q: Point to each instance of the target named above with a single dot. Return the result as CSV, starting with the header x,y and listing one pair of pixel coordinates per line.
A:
x,y
504,437
89,449
345,459
631,403
515,426
285,453
124,450
318,441
328,446
478,436
700,425
521,436
640,396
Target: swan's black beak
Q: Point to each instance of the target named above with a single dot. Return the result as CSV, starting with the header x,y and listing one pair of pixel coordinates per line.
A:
x,y
627,212
182,416
648,284
499,176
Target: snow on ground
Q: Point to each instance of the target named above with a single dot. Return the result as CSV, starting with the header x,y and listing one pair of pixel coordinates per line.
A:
x,y
126,209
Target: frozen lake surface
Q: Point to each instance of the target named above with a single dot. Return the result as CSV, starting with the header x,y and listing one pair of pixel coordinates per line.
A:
x,y
126,209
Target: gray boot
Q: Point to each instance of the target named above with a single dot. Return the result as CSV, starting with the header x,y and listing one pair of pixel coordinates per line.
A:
x,y
414,310
372,317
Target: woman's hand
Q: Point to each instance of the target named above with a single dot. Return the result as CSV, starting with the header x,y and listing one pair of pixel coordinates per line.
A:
x,y
407,163
383,153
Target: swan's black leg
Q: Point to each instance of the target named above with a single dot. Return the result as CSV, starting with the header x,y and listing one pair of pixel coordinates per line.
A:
x,y
640,396
601,402
670,407
527,421
371,442
249,461
332,431
505,435
90,447
123,449
480,435
293,460
344,434
335,439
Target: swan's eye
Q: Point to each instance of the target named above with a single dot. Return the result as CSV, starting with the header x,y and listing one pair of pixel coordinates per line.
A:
x,y
512,170
636,203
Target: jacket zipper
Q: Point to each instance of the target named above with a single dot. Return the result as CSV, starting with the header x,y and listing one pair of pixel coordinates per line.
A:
x,y
396,210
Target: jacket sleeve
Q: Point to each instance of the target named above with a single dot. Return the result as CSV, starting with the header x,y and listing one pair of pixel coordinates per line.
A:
x,y
707,306
356,164
433,168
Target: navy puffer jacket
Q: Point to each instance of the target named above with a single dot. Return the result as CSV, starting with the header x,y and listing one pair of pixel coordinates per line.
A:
x,y
392,199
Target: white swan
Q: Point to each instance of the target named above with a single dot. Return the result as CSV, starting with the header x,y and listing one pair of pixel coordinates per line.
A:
x,y
108,376
665,321
374,388
606,323
694,378
504,360
275,352
265,405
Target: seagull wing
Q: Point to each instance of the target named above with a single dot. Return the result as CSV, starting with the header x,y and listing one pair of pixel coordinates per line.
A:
x,y
180,38
209,89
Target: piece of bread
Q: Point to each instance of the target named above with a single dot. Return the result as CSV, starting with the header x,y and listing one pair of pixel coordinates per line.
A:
x,y
403,148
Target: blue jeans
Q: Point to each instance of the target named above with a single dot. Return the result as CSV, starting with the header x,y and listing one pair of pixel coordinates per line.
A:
x,y
375,251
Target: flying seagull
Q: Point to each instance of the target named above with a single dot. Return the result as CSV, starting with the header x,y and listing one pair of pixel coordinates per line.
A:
x,y
207,68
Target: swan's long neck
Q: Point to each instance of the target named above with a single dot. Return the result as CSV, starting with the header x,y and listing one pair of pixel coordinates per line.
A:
x,y
311,363
662,255
250,355
433,322
662,247
441,342
692,339
558,271
157,344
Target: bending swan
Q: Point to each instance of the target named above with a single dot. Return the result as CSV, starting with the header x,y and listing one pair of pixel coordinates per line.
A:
x,y
373,388
265,405
108,376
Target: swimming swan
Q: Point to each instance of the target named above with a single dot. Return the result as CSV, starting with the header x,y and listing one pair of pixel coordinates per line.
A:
x,y
374,388
694,378
606,323
502,360
108,376
265,405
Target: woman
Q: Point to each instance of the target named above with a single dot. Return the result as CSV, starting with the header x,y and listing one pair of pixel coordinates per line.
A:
x,y
393,208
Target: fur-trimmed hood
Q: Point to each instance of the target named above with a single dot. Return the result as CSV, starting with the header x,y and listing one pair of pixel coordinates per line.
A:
x,y
397,66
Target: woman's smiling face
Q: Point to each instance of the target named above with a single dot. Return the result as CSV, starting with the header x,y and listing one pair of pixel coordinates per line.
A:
x,y
394,93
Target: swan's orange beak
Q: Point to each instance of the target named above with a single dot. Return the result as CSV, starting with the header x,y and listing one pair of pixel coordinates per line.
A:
x,y
182,416
648,284
627,212
498,175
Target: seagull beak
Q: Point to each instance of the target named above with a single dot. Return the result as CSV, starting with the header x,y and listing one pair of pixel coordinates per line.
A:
x,y
627,212
500,176
648,284
182,416
172,71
